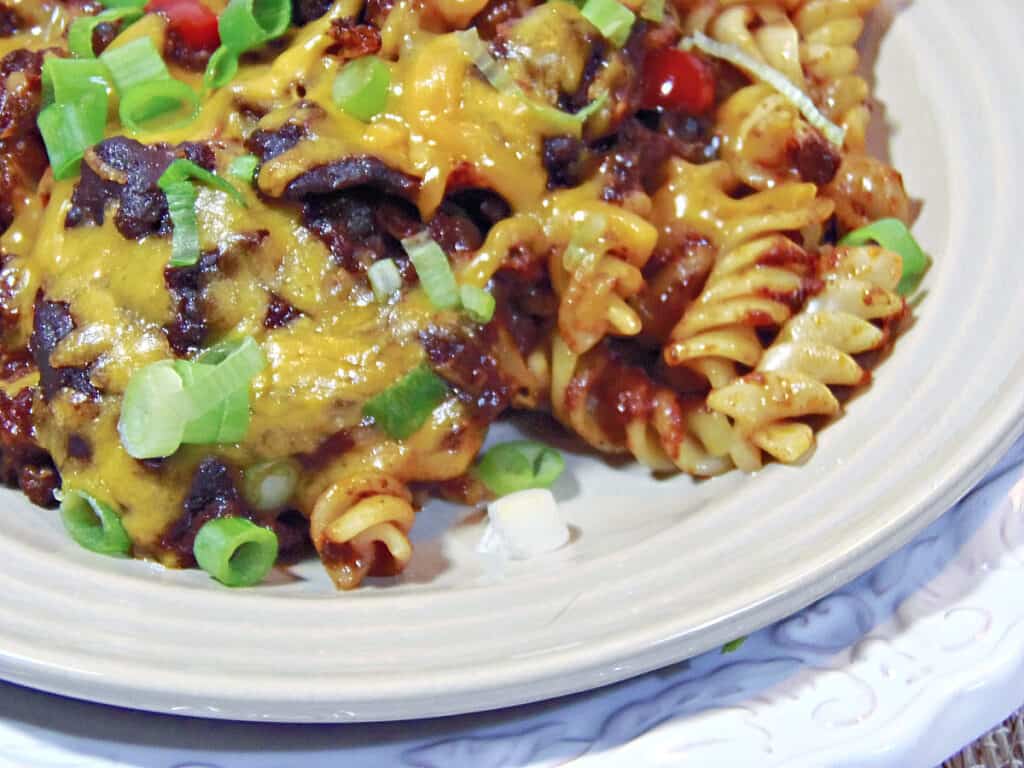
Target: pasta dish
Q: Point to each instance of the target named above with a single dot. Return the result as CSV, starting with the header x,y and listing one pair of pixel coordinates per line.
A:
x,y
270,268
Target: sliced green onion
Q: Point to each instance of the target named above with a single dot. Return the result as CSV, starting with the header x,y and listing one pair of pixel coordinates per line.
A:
x,y
235,551
181,204
123,3
585,242
434,271
94,524
66,80
221,68
612,18
478,303
244,167
172,101
213,384
248,24
733,645
476,51
69,129
135,63
893,235
518,466
361,87
402,408
184,170
227,423
653,10
269,486
385,279
153,412
80,33
773,77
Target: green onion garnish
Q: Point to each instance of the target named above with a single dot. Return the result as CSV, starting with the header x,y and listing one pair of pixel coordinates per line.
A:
x,y
434,271
244,168
66,80
477,303
243,26
269,486
172,101
181,204
385,279
184,170
69,129
733,645
518,466
94,524
206,401
612,19
653,10
361,87
402,408
235,551
123,3
893,235
80,33
153,412
135,63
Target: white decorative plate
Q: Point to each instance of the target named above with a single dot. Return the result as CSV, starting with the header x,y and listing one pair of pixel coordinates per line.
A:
x,y
657,571
898,669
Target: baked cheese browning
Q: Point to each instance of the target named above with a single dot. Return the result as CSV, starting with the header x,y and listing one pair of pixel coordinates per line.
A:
x,y
541,212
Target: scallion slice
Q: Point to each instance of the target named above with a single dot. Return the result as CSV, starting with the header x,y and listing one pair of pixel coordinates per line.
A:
x,y
269,486
227,423
893,235
69,129
80,33
734,645
171,101
235,551
135,63
434,271
477,303
153,412
184,170
612,19
94,525
221,68
123,3
64,81
243,26
244,168
213,384
402,408
181,204
385,279
773,77
518,466
361,87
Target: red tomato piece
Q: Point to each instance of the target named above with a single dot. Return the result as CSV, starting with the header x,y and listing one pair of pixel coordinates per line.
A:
x,y
677,80
191,21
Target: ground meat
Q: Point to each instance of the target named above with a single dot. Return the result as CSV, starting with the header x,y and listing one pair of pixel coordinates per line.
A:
x,y
563,160
484,206
213,493
636,160
184,55
279,313
22,155
494,14
79,448
103,35
187,333
51,322
356,171
305,11
267,145
353,39
23,462
10,21
466,363
376,12
360,227
293,542
454,229
134,169
336,445
815,158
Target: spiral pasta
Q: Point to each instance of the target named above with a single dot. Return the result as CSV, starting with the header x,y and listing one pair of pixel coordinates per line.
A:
x,y
814,351
360,527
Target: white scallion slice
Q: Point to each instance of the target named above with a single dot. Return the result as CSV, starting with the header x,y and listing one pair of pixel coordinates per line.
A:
x,y
385,279
524,524
434,271
742,60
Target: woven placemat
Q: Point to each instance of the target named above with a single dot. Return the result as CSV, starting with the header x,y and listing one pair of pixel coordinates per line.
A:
x,y
1002,747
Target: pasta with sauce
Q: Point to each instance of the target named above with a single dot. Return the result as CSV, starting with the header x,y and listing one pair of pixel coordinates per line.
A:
x,y
268,279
